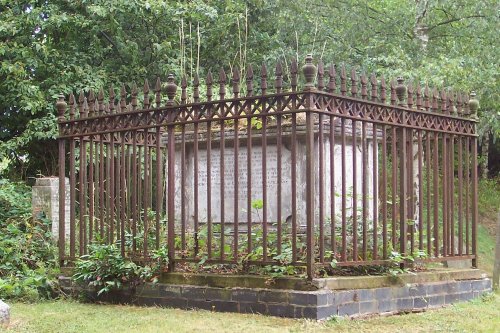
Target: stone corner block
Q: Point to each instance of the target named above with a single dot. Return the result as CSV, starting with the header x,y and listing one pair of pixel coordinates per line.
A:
x,y
310,298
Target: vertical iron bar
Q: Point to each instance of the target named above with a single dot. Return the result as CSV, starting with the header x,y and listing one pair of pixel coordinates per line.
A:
x,y
403,209
310,192
101,186
95,160
467,195
97,197
410,191
321,190
140,182
435,180
452,194
145,197
474,201
375,190
420,194
428,190
294,187
108,191
222,145
332,188
84,216
236,147
354,192
364,184
123,195
279,144
128,183
445,195
460,195
344,191
118,170
196,188
249,183
112,192
91,189
394,157
183,189
72,198
264,184
384,191
62,201
171,193
159,188
135,161
209,187
150,184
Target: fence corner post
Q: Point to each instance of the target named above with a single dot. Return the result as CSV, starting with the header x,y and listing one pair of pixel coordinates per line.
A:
x,y
171,90
309,70
473,107
403,208
61,109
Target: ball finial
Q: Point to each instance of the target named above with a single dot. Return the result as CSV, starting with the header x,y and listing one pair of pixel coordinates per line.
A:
x,y
309,71
473,105
171,89
61,107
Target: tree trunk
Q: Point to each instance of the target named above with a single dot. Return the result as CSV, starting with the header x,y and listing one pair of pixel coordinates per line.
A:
x,y
421,33
483,161
420,30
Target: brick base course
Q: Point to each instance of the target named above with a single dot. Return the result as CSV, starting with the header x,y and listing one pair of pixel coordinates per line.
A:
x,y
319,304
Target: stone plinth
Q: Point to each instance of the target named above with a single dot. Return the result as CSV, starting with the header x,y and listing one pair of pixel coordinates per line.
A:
x,y
353,296
226,193
45,202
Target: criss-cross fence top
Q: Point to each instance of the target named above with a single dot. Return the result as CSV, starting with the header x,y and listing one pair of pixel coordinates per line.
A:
x,y
349,169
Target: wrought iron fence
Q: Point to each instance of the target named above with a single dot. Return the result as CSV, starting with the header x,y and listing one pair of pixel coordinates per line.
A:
x,y
347,171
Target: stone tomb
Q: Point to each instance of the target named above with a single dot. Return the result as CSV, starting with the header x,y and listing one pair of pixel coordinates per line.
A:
x,y
271,157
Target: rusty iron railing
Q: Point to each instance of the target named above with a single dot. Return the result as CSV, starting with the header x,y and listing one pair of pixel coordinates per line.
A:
x,y
284,176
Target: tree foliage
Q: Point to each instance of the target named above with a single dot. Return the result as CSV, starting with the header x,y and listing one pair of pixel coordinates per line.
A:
x,y
53,46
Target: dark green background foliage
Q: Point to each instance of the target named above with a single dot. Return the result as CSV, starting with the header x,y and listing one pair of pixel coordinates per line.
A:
x,y
53,46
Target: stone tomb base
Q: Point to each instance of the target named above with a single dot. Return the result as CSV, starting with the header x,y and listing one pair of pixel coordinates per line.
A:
x,y
298,298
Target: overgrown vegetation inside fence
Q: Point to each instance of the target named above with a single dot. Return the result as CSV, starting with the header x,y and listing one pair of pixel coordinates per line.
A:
x,y
106,269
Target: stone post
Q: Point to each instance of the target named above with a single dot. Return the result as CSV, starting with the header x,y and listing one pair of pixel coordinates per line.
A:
x,y
45,202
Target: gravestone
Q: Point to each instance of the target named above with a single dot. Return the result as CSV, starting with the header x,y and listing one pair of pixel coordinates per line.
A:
x,y
4,314
45,202
256,156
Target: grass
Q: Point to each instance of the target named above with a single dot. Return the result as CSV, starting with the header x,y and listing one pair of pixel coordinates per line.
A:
x,y
488,207
486,249
488,197
480,315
